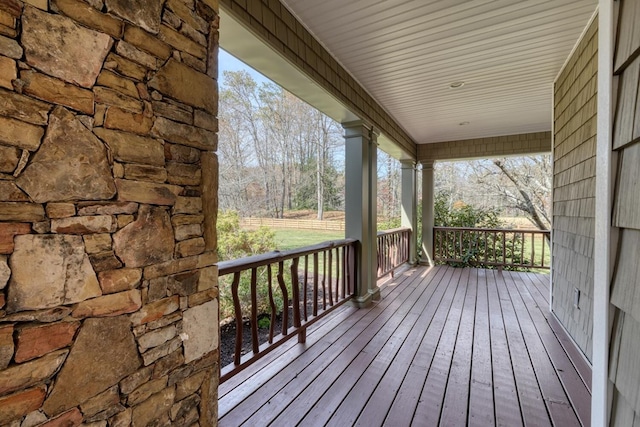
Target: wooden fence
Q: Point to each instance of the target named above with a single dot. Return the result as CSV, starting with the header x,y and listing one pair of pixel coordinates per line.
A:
x,y
303,224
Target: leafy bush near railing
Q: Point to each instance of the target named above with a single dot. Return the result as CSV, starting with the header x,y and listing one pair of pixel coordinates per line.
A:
x,y
459,214
234,243
474,248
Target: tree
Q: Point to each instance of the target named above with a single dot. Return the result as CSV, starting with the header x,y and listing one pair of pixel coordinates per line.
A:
x,y
524,183
269,139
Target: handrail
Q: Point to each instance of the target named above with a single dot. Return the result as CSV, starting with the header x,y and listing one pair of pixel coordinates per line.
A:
x,y
393,249
491,247
309,288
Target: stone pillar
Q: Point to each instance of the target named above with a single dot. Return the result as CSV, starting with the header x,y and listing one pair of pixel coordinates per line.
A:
x,y
361,212
108,200
427,212
409,205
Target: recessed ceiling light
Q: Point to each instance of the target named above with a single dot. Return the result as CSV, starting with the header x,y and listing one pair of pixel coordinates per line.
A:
x,y
463,123
456,85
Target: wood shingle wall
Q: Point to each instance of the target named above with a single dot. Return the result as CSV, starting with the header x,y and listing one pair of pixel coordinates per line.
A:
x,y
625,287
574,170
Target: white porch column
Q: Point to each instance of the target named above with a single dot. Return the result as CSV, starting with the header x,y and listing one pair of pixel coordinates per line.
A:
x,y
409,205
361,206
427,212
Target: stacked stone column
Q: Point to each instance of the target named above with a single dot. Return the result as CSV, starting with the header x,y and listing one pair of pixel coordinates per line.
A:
x,y
108,200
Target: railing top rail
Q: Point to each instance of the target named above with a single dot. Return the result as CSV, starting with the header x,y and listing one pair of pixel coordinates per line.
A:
x,y
496,230
393,230
254,261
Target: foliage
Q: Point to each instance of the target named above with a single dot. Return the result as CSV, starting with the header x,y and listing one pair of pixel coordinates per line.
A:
x,y
276,152
460,214
306,193
233,243
471,248
389,224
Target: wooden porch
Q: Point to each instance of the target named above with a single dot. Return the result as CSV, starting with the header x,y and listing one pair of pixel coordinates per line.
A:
x,y
444,346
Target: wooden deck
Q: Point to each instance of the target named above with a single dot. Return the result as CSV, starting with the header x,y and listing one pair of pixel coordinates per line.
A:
x,y
444,346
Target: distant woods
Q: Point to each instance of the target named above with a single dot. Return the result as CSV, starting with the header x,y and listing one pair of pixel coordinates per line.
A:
x,y
278,154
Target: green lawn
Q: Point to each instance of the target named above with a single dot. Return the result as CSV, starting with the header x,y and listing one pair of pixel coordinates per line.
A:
x,y
291,239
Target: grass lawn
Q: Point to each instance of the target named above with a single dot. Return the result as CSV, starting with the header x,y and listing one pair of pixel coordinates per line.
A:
x,y
291,239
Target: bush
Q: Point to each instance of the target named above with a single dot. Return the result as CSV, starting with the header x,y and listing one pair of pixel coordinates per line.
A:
x,y
474,249
234,243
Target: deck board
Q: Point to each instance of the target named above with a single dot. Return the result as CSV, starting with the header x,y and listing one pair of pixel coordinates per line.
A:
x,y
444,346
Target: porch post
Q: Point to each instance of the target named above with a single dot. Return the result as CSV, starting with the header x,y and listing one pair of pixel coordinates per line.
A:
x,y
360,206
409,206
427,212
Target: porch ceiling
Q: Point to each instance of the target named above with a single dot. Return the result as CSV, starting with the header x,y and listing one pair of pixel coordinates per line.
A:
x,y
406,53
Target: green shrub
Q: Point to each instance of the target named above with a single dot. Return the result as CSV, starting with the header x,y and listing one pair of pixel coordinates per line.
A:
x,y
475,249
234,243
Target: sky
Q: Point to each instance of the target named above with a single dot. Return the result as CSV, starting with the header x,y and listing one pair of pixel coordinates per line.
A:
x,y
227,62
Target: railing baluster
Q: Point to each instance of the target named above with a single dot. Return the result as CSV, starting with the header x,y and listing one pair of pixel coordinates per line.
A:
x,y
315,284
338,277
392,250
238,315
329,278
501,247
305,286
344,277
272,304
285,298
324,277
254,310
295,289
533,250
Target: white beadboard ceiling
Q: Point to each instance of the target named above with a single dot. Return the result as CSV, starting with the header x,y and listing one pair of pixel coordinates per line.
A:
x,y
405,53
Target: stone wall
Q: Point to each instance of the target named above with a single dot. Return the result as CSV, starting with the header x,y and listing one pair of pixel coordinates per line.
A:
x,y
574,184
108,184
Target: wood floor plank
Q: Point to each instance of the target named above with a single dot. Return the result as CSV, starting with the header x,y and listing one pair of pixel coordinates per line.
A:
x,y
572,351
308,368
407,398
507,404
532,406
555,398
430,404
576,390
328,400
337,317
368,381
445,346
410,355
481,405
541,283
237,409
456,398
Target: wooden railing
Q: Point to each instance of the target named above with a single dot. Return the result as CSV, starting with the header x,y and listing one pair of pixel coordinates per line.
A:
x,y
311,282
393,249
491,247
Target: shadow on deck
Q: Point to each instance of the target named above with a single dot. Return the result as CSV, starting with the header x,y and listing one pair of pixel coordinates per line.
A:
x,y
444,346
